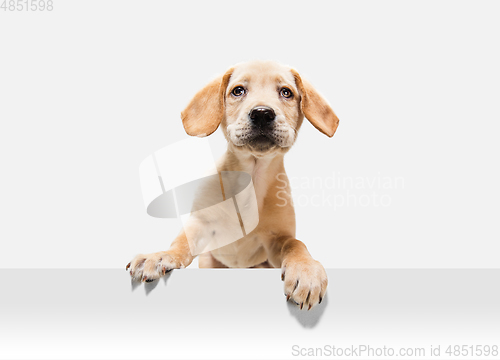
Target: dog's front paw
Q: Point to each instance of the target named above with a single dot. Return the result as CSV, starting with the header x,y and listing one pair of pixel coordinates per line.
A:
x,y
305,282
153,266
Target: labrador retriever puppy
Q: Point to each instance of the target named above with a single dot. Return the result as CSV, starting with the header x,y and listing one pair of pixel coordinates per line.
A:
x,y
260,107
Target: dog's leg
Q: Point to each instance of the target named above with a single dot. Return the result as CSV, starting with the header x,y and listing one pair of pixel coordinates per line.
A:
x,y
152,266
305,278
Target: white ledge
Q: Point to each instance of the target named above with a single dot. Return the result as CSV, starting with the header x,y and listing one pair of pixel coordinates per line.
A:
x,y
231,314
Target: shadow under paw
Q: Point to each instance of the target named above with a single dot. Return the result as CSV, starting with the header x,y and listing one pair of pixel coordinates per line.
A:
x,y
308,318
149,285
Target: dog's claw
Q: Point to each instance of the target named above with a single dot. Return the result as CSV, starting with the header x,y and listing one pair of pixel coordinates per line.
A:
x,y
144,278
320,299
310,306
301,306
128,265
288,297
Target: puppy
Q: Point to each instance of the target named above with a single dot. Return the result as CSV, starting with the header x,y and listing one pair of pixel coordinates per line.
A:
x,y
260,107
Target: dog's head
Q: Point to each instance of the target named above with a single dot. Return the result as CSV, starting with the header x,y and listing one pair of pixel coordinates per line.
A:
x,y
261,106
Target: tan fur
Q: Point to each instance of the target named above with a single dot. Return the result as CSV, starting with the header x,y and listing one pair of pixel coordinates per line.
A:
x,y
272,242
205,111
315,108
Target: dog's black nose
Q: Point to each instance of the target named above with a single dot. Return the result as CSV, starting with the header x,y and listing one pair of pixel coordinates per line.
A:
x,y
262,115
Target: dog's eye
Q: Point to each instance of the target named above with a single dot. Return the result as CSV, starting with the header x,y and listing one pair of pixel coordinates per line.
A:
x,y
286,93
238,91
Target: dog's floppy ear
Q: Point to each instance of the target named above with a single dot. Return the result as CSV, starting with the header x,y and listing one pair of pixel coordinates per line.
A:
x,y
204,113
315,108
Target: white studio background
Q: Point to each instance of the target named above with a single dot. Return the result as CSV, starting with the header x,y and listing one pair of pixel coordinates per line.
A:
x,y
90,89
